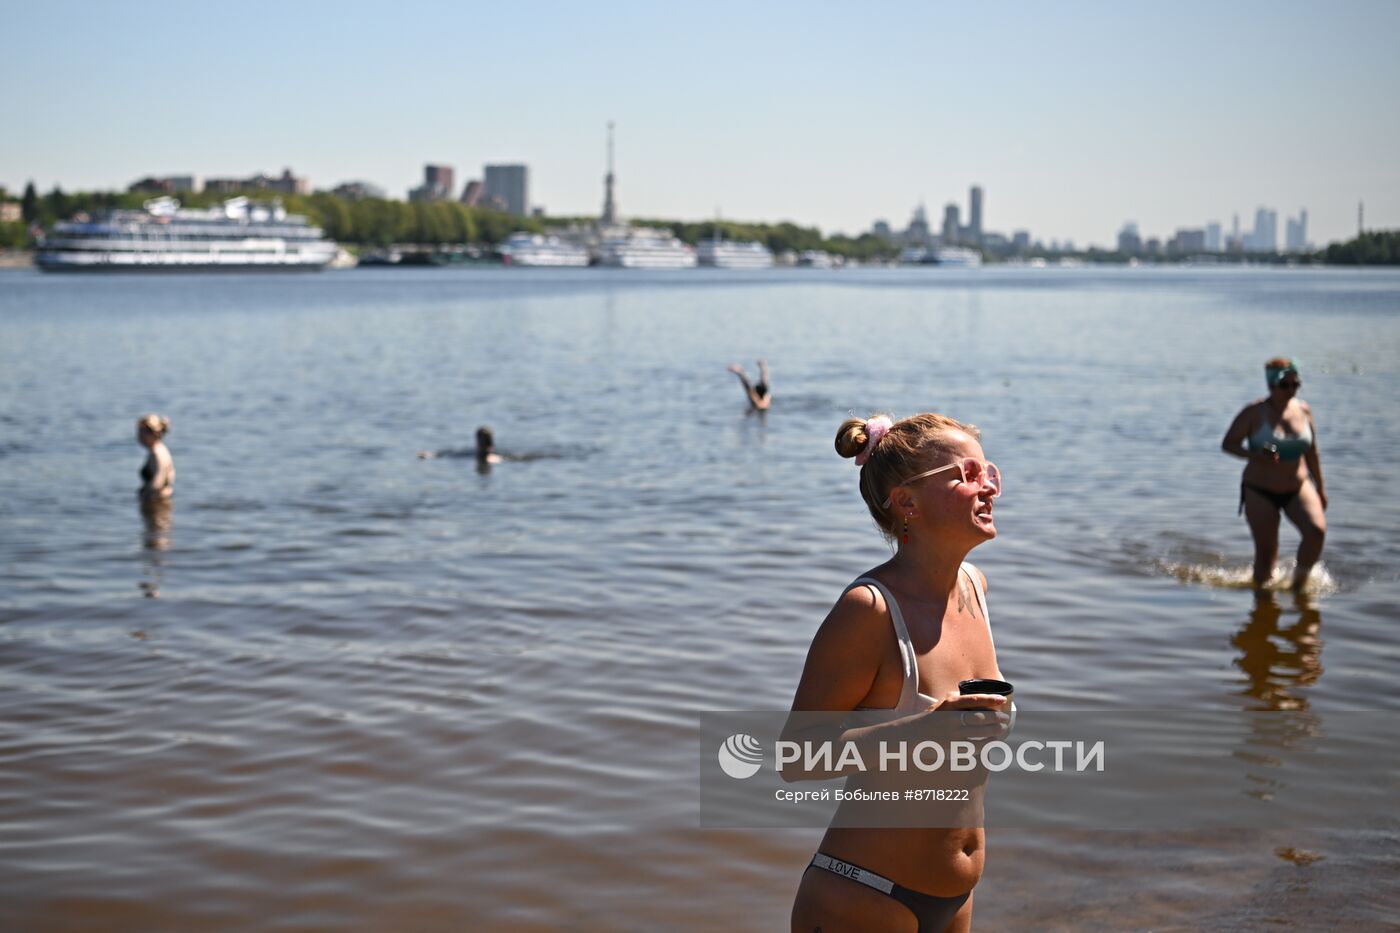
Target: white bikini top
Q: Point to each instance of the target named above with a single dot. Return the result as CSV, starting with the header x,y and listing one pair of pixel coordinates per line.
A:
x,y
910,699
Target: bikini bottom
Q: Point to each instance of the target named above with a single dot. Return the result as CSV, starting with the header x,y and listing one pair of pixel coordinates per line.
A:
x,y
1280,500
933,913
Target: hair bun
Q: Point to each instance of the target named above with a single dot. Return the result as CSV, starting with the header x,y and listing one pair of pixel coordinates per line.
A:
x,y
156,424
851,437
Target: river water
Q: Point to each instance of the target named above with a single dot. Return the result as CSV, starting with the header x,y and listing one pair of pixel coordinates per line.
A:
x,y
338,686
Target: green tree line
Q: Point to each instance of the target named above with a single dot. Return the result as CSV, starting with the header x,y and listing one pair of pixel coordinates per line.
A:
x,y
779,237
1376,248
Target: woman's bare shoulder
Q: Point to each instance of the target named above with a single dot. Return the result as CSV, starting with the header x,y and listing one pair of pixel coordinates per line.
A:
x,y
846,652
1253,405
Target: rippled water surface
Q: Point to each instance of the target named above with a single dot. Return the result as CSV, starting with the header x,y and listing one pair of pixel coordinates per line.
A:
x,y
338,686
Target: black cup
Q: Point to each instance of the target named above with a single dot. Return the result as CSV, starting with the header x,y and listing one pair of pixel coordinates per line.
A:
x,y
987,685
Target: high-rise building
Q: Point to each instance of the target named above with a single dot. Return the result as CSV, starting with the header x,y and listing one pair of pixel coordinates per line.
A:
x,y
1187,242
1021,241
438,179
1213,237
1129,241
437,184
917,234
974,220
1296,238
950,224
1264,239
471,193
511,184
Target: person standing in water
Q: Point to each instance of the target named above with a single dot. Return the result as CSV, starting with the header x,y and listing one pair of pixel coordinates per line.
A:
x,y
760,394
158,472
917,621
1277,437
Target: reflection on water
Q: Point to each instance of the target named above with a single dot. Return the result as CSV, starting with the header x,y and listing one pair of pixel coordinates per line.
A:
x,y
157,517
1278,660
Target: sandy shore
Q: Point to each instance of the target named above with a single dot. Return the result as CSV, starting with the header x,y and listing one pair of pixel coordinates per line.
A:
x,y
16,258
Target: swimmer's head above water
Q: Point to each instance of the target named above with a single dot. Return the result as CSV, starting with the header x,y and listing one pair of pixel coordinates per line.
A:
x,y
151,428
485,441
896,458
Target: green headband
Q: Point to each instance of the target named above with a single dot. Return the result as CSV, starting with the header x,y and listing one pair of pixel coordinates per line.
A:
x,y
1275,374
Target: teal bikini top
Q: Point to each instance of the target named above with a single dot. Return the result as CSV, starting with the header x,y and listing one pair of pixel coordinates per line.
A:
x,y
1287,446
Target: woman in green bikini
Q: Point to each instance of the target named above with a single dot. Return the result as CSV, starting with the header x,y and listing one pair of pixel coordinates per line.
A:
x,y
1277,437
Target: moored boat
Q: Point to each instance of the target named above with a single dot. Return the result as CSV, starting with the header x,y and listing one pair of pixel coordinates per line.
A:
x,y
644,248
545,250
239,235
733,254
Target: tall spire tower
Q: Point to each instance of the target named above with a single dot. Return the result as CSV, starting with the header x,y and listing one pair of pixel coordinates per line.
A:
x,y
609,205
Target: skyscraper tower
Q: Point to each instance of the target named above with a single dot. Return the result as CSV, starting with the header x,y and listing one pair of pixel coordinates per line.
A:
x,y
974,219
609,205
950,225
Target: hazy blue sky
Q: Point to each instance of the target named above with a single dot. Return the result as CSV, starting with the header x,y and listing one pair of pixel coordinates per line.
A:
x,y
1073,117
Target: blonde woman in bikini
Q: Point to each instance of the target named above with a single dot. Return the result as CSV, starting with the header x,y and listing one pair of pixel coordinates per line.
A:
x,y
900,639
158,472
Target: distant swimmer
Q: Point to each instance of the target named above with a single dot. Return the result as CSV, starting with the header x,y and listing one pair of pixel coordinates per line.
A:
x,y
484,452
760,394
158,473
486,446
1277,437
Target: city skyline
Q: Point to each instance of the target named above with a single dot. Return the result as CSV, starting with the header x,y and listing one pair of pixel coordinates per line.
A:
x,y
1070,123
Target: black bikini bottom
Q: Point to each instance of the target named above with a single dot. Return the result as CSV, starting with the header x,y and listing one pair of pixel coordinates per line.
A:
x,y
1279,499
933,913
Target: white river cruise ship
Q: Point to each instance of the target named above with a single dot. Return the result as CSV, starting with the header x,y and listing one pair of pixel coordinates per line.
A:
x,y
644,248
534,249
733,254
237,236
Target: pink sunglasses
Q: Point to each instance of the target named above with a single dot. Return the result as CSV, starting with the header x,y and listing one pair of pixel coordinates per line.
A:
x,y
971,469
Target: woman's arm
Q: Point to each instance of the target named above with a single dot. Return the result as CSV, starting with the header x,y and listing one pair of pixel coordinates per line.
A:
x,y
1233,442
1314,461
845,654
738,370
164,479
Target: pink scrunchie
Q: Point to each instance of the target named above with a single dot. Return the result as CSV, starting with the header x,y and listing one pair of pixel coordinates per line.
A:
x,y
875,429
